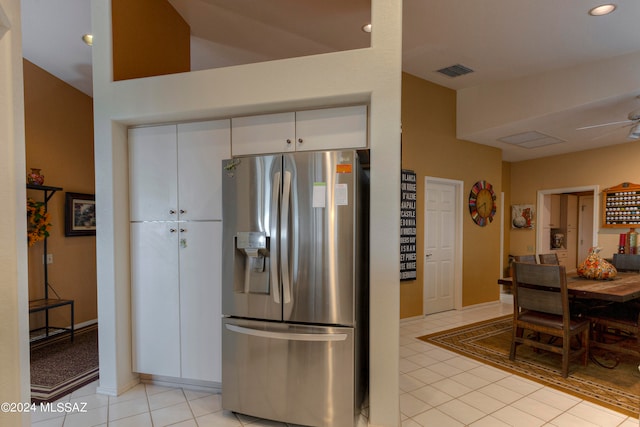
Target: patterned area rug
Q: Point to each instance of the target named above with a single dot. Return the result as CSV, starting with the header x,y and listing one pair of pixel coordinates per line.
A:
x,y
490,341
59,366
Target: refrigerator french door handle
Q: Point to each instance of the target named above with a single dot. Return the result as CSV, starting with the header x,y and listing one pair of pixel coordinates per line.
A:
x,y
284,236
273,258
286,335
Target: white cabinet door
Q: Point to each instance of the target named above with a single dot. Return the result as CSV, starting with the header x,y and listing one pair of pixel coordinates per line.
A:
x,y
317,130
268,133
331,128
201,148
154,298
200,300
153,190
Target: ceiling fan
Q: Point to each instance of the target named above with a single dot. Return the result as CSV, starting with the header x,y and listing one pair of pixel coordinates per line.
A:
x,y
633,121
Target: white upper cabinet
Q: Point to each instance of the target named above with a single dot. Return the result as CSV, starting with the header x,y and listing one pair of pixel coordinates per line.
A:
x,y
331,128
311,130
202,147
174,171
153,176
268,133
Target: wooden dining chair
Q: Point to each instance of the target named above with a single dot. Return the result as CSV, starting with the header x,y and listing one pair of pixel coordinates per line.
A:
x,y
626,262
616,327
541,305
529,259
551,258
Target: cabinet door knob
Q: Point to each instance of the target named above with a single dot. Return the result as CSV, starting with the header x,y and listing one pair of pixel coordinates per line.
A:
x,y
182,230
300,141
172,230
182,211
288,141
172,211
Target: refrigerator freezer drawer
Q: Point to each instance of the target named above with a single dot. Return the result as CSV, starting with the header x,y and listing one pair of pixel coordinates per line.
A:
x,y
289,373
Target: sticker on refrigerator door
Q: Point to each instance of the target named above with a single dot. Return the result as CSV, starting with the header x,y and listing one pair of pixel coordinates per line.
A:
x,y
344,168
341,194
319,194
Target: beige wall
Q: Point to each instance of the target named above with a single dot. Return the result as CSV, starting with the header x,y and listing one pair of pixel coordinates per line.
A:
x,y
59,140
430,148
604,167
506,241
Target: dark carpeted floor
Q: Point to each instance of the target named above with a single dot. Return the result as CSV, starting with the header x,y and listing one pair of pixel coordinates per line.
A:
x,y
60,366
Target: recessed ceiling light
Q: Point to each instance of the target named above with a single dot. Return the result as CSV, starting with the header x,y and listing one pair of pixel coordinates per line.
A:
x,y
604,9
88,39
366,28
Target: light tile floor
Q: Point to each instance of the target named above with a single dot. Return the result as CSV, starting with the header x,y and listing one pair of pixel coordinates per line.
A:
x,y
437,388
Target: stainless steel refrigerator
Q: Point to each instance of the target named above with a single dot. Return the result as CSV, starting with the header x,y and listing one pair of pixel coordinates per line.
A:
x,y
295,287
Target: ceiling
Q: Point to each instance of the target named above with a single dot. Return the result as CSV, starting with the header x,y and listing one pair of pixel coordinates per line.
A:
x,y
501,40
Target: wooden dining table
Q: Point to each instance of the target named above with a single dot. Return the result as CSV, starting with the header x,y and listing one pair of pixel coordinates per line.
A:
x,y
622,288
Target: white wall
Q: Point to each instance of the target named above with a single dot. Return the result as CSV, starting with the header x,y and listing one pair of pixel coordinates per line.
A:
x,y
370,75
14,318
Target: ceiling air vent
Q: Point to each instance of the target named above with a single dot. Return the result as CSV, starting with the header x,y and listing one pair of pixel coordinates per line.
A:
x,y
455,70
531,139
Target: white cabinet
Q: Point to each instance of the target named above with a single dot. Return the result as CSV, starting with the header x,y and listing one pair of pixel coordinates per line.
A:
x,y
153,174
167,161
176,299
311,130
200,300
176,241
155,292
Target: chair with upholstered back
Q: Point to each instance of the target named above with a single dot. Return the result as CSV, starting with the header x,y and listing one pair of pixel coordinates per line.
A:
x,y
529,259
551,258
541,305
626,262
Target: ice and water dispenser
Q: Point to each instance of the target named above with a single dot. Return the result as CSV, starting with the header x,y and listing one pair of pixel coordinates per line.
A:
x,y
252,251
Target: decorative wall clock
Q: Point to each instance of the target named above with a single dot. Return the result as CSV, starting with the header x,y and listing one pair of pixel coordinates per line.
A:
x,y
482,203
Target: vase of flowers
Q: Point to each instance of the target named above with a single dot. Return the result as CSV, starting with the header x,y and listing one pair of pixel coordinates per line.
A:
x,y
38,225
35,177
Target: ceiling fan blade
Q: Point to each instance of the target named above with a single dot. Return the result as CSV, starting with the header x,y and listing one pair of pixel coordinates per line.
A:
x,y
609,132
604,124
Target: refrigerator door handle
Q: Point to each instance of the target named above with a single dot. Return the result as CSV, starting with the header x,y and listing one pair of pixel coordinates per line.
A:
x,y
286,335
284,233
273,259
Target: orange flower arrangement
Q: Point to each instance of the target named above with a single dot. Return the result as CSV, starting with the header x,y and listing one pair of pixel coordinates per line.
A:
x,y
38,225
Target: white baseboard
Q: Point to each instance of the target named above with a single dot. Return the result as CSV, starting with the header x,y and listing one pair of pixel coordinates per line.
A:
x,y
205,386
110,391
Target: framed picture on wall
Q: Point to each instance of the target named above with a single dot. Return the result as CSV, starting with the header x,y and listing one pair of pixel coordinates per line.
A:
x,y
80,215
523,216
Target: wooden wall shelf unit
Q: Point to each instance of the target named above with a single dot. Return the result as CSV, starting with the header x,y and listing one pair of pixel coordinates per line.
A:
x,y
621,206
45,304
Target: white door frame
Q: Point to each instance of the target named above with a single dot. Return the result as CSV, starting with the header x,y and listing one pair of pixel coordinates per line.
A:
x,y
457,253
540,208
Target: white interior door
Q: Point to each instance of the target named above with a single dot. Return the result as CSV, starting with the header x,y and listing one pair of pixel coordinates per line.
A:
x,y
439,245
585,226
